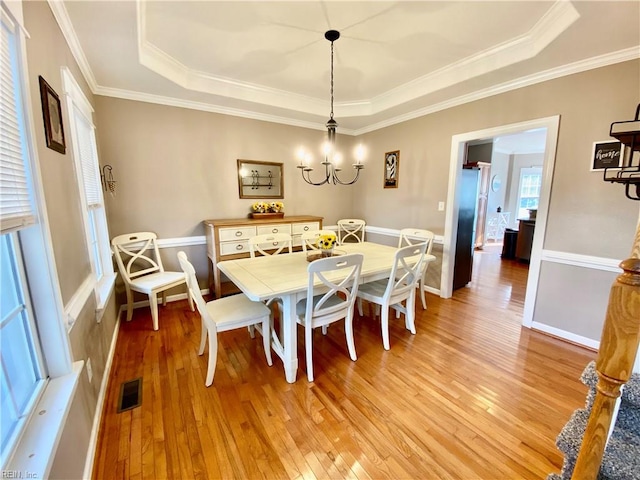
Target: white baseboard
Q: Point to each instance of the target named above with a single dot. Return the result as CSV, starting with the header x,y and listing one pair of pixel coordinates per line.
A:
x,y
563,334
97,418
435,291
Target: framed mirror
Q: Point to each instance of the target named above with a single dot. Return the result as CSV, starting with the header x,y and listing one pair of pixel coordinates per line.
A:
x,y
260,179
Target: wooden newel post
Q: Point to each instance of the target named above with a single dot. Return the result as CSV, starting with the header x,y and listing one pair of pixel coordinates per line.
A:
x,y
618,348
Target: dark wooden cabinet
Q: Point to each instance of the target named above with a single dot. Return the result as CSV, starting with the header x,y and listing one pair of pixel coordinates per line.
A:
x,y
525,240
468,202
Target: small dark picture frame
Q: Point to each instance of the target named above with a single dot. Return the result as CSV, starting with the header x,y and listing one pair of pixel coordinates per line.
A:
x,y
391,166
606,154
52,116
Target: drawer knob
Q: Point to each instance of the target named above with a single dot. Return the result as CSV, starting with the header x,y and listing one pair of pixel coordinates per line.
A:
x,y
275,230
306,228
239,247
238,233
275,244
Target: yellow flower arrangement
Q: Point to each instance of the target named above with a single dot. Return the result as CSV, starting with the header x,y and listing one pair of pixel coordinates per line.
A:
x,y
326,242
266,207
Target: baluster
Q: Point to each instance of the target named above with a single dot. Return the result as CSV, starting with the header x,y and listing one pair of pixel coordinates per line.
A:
x,y
618,348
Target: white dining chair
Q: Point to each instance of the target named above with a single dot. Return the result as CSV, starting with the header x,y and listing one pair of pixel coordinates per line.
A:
x,y
223,314
351,230
411,236
399,287
310,238
332,288
142,271
270,244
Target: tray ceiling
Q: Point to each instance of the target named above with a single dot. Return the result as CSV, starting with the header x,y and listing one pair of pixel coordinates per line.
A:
x,y
394,61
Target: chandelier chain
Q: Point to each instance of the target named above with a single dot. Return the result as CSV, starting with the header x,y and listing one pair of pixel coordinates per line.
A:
x,y
331,114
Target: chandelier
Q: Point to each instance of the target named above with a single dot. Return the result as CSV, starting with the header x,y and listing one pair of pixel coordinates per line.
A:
x,y
331,156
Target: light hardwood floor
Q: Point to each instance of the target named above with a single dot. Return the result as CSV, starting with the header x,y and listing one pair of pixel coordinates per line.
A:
x,y
472,396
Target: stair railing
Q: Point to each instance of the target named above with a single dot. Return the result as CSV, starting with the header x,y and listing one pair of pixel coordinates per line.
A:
x,y
614,365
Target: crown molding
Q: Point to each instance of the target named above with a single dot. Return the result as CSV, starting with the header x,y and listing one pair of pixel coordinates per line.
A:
x,y
64,22
620,56
557,16
555,21
207,107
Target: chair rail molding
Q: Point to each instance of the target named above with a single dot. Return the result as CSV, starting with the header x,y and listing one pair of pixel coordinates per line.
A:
x,y
584,261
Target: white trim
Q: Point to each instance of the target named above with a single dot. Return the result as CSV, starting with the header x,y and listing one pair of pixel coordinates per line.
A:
x,y
533,79
584,261
97,418
451,220
40,440
569,336
76,303
539,77
66,27
560,16
393,232
181,241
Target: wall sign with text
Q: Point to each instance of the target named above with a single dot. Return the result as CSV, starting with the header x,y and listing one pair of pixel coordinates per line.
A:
x,y
606,154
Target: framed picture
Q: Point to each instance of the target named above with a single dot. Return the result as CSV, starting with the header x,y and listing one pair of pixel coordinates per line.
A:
x,y
606,154
260,179
391,165
52,116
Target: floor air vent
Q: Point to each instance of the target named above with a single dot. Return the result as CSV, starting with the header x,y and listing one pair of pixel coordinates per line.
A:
x,y
130,395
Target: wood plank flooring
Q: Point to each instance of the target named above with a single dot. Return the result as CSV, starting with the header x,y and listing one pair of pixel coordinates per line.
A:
x,y
472,396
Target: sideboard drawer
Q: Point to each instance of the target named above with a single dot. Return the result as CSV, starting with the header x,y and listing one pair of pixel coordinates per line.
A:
x,y
231,248
237,233
299,228
264,229
229,239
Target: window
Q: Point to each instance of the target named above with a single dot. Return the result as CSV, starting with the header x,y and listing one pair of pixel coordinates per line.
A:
x,y
31,307
529,190
85,154
22,369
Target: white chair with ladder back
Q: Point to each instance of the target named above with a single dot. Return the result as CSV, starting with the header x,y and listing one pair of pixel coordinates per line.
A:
x,y
399,287
330,297
141,268
223,314
351,230
412,236
270,244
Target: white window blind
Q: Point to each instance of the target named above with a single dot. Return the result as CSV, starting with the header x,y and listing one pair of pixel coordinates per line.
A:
x,y
16,208
88,160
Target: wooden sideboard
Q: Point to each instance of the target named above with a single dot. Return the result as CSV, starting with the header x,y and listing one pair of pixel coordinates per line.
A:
x,y
228,239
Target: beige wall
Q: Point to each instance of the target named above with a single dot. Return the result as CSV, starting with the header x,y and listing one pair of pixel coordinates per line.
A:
x,y
47,52
177,167
581,203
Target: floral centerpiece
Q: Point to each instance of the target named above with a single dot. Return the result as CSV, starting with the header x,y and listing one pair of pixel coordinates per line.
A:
x,y
259,209
325,244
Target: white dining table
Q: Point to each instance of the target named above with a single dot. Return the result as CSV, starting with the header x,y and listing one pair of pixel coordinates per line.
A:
x,y
285,276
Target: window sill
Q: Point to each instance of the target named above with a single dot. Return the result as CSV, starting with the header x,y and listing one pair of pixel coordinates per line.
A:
x,y
104,289
35,452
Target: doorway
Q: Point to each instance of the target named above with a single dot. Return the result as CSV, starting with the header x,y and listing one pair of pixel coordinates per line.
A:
x,y
458,143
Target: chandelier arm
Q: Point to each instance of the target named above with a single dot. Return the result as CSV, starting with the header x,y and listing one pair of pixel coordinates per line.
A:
x,y
337,181
311,182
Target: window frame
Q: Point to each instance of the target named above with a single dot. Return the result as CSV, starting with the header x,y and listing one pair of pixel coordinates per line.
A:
x,y
42,425
94,215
